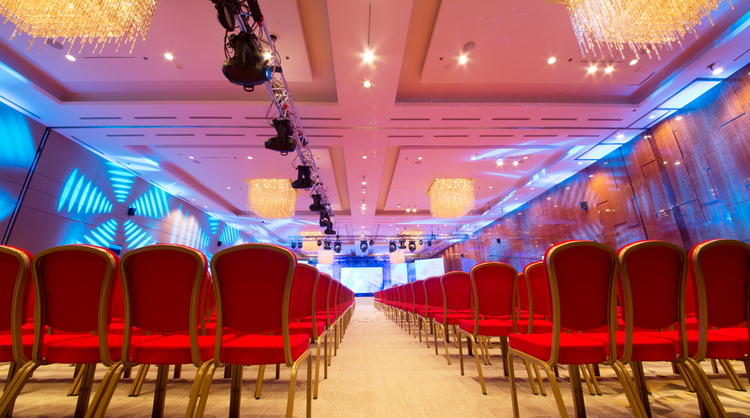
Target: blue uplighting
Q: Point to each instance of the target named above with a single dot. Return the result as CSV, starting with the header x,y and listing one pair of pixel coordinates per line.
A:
x,y
122,181
154,204
82,196
6,205
186,230
136,237
103,235
213,223
230,235
16,142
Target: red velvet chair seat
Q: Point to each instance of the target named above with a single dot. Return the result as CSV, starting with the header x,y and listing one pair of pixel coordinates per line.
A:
x,y
86,350
645,347
262,349
173,349
489,327
573,349
541,326
6,349
428,313
118,328
739,333
451,319
306,328
719,346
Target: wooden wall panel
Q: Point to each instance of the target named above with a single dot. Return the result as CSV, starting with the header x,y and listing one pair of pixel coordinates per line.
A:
x,y
684,181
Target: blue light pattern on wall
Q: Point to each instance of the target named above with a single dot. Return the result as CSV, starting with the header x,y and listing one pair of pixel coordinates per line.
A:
x,y
6,205
103,235
213,223
186,230
122,181
16,141
230,236
154,204
82,196
136,237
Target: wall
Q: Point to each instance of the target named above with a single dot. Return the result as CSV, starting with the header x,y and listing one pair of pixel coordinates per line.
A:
x,y
684,181
76,196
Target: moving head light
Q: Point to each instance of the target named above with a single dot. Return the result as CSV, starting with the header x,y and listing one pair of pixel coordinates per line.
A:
x,y
283,141
246,67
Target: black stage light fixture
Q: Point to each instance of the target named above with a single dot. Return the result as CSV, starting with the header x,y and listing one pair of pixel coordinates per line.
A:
x,y
317,206
392,247
363,246
218,243
319,243
402,244
294,244
371,242
337,247
412,246
584,205
327,245
283,141
131,211
429,243
325,220
225,12
329,230
303,178
421,242
246,67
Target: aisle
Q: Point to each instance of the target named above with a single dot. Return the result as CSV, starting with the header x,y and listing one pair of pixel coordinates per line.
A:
x,y
380,372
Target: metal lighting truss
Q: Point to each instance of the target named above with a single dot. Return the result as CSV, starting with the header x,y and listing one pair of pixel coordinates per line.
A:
x,y
381,238
282,98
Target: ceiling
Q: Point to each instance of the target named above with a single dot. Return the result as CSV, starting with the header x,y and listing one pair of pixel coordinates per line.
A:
x,y
425,115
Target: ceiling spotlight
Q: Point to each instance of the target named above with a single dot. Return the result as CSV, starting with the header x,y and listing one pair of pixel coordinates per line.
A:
x,y
368,57
70,57
429,243
327,245
329,230
592,69
551,60
678,118
364,181
169,56
421,242
294,244
392,247
412,246
367,84
372,242
609,69
499,162
317,206
363,246
325,220
337,247
303,178
633,62
319,242
402,244
462,59
225,12
283,141
515,162
246,67
620,135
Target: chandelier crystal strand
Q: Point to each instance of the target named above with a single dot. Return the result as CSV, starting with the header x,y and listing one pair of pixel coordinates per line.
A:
x,y
451,198
641,25
271,198
97,22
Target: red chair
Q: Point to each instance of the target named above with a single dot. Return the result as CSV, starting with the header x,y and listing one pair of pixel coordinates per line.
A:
x,y
433,305
457,305
74,288
581,277
420,299
253,287
493,286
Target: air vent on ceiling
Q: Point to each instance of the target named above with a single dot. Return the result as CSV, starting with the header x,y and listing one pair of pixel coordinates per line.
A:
x,y
255,118
496,136
154,117
560,119
511,118
100,118
583,136
462,119
225,134
644,80
211,117
409,119
320,118
175,134
109,57
540,136
324,136
123,135
450,136
405,136
604,120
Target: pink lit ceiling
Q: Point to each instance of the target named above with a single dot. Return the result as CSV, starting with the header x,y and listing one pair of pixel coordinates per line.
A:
x,y
425,115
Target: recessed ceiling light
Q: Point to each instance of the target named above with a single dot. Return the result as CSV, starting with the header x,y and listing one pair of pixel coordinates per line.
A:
x,y
591,175
580,162
462,59
679,118
620,135
169,56
633,62
526,157
532,188
677,163
191,157
364,157
490,187
368,56
193,200
205,207
70,57
609,69
249,157
652,116
419,158
717,71
592,69
551,60
228,187
367,84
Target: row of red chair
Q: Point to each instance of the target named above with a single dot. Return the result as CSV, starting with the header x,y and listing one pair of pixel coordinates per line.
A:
x,y
268,309
588,304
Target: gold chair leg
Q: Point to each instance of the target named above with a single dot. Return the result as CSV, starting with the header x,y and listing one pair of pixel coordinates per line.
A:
x,y
13,368
550,375
640,385
177,371
160,393
235,394
13,389
444,331
708,401
504,350
140,378
293,384
104,392
584,372
541,382
636,406
278,371
470,338
575,387
259,382
317,366
75,387
195,390
685,377
595,382
714,366
205,387
732,374
84,394
531,378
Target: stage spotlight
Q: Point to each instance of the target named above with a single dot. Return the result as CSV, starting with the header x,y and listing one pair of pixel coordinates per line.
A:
x,y
319,243
299,244
283,141
363,246
246,67
337,247
412,246
329,230
429,243
327,245
392,247
402,244
317,206
225,12
325,220
303,178
421,242
294,244
372,242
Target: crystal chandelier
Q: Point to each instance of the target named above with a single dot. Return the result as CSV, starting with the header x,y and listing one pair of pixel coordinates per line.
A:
x,y
325,257
271,198
642,25
89,21
310,244
451,198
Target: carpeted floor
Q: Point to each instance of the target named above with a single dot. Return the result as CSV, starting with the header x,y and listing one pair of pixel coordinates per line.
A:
x,y
381,371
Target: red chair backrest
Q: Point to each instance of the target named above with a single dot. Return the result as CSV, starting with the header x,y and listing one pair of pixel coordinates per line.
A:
x,y
522,293
580,274
303,291
409,294
456,291
493,288
162,285
419,295
433,292
15,270
538,289
253,287
321,293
